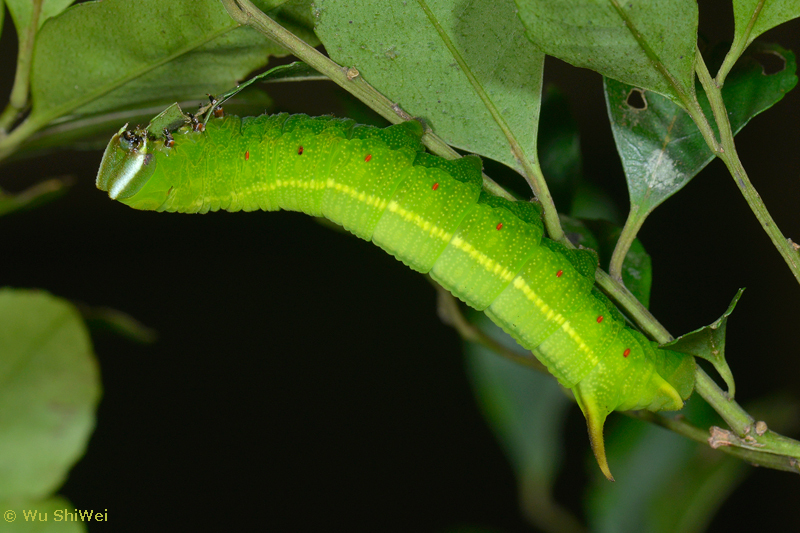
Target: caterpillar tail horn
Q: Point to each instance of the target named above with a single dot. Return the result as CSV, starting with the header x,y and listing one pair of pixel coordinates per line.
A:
x,y
595,420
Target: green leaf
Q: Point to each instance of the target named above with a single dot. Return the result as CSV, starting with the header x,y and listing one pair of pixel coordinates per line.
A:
x,y
33,196
650,44
85,62
29,516
763,14
526,409
668,483
49,392
396,47
22,10
708,343
661,147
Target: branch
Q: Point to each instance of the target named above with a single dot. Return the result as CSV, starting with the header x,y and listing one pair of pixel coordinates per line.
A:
x,y
727,152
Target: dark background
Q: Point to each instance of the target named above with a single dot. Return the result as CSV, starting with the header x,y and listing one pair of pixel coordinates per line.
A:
x,y
302,379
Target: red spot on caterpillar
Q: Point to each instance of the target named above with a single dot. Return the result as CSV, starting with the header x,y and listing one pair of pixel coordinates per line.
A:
x,y
599,319
435,186
169,142
218,112
299,150
247,155
626,353
369,156
559,273
199,127
499,226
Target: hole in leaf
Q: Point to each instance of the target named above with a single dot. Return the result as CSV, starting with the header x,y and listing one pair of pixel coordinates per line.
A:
x,y
636,99
771,62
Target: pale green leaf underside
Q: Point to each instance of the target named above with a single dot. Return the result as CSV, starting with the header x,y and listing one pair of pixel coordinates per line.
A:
x,y
661,147
396,48
49,389
650,44
754,17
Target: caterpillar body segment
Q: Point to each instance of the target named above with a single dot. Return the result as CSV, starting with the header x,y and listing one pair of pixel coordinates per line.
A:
x,y
429,213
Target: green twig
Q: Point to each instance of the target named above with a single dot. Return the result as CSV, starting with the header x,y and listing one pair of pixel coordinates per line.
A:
x,y
632,226
727,152
730,411
753,456
740,42
18,101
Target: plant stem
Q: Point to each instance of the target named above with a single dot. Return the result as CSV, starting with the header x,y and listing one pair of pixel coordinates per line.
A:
x,y
753,456
18,101
632,226
740,42
730,411
727,152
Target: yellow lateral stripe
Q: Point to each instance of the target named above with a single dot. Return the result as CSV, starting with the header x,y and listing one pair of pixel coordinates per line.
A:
x,y
409,216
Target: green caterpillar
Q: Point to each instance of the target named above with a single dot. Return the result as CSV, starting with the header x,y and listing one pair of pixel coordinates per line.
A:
x,y
428,212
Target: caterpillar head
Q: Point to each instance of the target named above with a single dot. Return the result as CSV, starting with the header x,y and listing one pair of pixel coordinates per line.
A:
x,y
128,163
